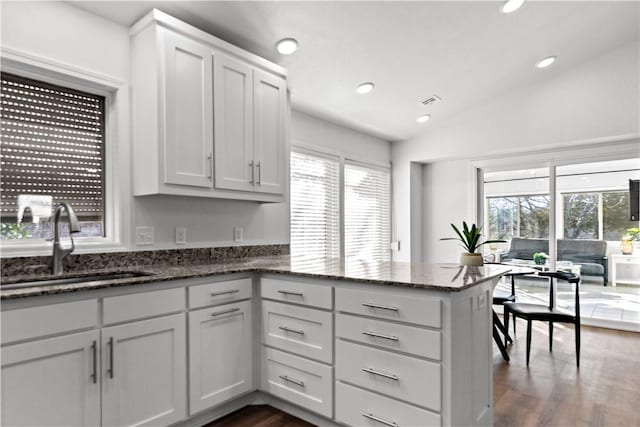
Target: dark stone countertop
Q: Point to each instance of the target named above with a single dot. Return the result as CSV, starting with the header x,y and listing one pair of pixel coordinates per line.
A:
x,y
439,277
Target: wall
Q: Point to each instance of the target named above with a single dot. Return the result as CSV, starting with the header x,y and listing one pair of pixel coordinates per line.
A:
x,y
590,105
61,33
311,132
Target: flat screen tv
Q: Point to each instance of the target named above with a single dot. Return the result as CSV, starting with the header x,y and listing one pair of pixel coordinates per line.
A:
x,y
634,199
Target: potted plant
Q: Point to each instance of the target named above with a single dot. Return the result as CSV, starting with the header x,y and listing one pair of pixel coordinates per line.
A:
x,y
470,239
626,246
540,258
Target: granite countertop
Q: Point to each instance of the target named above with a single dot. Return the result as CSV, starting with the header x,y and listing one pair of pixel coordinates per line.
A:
x,y
440,277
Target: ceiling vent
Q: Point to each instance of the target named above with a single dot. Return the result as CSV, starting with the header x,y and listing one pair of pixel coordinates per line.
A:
x,y
431,100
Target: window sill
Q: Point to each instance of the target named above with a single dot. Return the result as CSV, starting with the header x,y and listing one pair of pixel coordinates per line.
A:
x,y
45,248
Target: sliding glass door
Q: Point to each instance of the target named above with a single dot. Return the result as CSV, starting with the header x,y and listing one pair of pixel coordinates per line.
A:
x,y
584,210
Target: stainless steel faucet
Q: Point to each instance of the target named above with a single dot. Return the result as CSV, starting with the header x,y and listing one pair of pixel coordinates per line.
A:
x,y
74,227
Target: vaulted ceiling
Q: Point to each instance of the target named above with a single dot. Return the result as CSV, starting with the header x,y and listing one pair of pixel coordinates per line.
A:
x,y
465,52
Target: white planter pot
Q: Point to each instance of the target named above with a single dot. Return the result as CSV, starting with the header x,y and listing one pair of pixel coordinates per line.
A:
x,y
471,259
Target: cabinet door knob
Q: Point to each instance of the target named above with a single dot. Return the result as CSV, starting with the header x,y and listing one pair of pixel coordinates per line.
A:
x,y
259,166
251,166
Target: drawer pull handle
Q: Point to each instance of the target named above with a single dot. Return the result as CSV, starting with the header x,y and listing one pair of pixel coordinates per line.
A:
x,y
295,331
380,420
220,313
291,380
382,307
217,294
377,335
110,370
94,349
298,294
381,374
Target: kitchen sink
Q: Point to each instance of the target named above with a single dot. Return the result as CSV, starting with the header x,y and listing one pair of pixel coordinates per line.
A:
x,y
89,278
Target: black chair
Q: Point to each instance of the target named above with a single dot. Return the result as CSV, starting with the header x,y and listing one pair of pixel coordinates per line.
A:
x,y
548,313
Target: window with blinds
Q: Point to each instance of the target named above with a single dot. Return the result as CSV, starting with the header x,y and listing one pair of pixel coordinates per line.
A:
x,y
315,205
51,150
367,212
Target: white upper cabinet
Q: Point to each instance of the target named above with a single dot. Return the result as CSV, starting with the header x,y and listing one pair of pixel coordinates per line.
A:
x,y
250,107
269,108
209,119
233,118
188,100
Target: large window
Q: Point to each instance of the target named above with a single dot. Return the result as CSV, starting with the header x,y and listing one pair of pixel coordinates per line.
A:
x,y
518,216
52,150
366,212
316,215
596,215
315,205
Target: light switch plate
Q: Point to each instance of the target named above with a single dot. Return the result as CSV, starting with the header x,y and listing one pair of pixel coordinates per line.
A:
x,y
144,236
181,235
238,234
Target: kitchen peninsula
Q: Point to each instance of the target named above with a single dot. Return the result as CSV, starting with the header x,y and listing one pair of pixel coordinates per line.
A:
x,y
355,343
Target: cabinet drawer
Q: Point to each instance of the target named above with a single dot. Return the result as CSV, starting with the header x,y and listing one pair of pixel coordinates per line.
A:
x,y
33,322
296,292
124,308
356,407
415,308
300,381
405,338
403,377
300,330
219,293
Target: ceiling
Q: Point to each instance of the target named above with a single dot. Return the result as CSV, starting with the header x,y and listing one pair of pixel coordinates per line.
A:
x,y
465,52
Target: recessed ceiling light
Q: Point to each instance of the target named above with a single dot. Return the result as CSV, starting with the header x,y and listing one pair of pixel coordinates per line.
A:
x,y
546,62
511,6
423,118
365,88
287,46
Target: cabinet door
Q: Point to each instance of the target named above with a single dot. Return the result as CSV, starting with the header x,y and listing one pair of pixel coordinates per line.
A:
x,y
220,354
52,382
269,108
144,372
234,168
188,112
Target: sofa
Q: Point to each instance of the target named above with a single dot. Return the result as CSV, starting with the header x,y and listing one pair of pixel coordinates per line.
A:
x,y
590,254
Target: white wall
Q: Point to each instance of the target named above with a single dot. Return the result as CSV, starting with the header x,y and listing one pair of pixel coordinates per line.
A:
x,y
312,132
594,103
61,33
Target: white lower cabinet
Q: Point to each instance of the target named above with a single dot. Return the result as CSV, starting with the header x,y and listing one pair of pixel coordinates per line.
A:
x,y
144,372
304,382
220,354
52,382
357,407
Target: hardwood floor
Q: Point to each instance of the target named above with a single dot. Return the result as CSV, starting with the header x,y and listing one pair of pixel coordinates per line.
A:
x,y
259,416
605,391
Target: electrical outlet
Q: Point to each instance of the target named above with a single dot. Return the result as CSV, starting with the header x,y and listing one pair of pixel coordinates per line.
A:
x,y
482,301
144,236
238,234
395,245
181,235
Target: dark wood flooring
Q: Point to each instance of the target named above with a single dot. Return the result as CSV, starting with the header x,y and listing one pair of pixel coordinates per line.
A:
x,y
605,391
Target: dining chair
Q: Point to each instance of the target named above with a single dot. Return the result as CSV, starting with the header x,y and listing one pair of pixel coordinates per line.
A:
x,y
548,313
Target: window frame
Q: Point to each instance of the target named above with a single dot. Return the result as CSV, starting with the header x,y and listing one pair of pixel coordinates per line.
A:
x,y
345,158
116,180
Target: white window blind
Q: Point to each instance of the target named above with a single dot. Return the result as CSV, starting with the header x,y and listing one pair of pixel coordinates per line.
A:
x,y
52,145
367,216
315,205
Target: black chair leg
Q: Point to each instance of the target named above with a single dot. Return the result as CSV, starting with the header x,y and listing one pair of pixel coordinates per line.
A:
x,y
550,336
577,344
528,340
506,320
